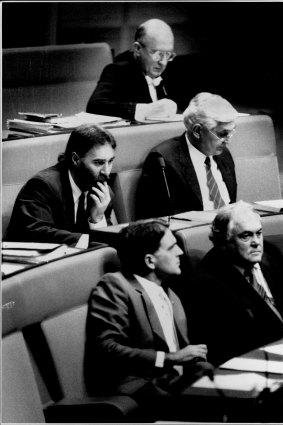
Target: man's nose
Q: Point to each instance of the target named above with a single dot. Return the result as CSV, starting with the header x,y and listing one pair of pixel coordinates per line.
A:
x,y
256,240
106,169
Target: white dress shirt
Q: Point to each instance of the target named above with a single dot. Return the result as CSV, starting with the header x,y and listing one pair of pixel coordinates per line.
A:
x,y
142,108
164,311
198,159
83,242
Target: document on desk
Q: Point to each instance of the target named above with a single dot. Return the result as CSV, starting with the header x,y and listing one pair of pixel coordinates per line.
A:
x,y
254,365
245,384
198,216
74,121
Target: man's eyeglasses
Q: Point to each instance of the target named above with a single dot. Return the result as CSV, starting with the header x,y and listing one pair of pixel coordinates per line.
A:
x,y
159,54
225,138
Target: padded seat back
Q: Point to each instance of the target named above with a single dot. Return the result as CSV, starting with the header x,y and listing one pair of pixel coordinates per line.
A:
x,y
21,401
51,79
195,243
65,334
52,299
254,150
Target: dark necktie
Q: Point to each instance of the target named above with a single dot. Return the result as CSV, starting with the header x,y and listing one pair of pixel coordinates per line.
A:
x,y
251,278
214,193
161,91
82,216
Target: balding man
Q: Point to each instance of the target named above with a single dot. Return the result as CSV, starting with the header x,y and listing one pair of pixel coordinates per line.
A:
x,y
132,86
199,168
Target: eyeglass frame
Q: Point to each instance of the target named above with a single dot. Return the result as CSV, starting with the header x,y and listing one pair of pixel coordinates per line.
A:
x,y
223,139
161,53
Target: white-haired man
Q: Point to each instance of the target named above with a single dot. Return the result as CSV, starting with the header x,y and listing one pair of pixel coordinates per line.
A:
x,y
199,168
237,294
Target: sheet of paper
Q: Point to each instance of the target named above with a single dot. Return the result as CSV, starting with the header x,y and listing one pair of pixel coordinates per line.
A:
x,y
274,349
254,365
244,382
30,245
200,216
83,118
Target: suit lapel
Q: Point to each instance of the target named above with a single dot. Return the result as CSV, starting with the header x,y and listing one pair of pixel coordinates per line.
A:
x,y
149,309
67,199
226,173
187,168
179,317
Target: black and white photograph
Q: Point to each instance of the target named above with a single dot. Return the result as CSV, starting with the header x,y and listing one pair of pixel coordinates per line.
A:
x,y
142,212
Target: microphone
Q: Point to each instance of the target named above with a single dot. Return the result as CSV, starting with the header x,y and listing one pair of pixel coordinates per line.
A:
x,y
162,164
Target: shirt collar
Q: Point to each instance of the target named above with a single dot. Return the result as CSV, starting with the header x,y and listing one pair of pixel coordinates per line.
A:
x,y
194,151
153,81
75,189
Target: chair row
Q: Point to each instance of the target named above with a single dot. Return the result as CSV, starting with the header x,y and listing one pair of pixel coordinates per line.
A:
x,y
44,312
253,148
51,79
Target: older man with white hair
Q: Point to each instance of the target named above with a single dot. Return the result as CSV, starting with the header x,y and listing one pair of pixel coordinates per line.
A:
x,y
132,87
199,169
235,302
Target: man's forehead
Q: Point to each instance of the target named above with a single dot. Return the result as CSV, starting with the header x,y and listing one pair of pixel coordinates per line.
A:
x,y
101,151
247,222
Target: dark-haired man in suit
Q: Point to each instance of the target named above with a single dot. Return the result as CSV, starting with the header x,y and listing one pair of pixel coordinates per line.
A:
x,y
136,329
199,168
63,203
132,87
237,292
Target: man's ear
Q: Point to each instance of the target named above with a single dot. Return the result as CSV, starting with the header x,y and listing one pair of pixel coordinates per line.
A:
x,y
136,48
196,129
149,261
76,160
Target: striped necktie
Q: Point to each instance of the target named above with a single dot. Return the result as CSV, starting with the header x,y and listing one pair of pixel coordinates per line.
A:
x,y
251,278
214,193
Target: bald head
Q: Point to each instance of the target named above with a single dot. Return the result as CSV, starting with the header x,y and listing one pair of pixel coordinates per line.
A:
x,y
155,28
154,46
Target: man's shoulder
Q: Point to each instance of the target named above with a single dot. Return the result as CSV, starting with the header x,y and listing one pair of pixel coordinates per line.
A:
x,y
169,145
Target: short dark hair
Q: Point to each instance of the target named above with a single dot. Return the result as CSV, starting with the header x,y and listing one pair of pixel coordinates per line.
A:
x,y
138,239
84,138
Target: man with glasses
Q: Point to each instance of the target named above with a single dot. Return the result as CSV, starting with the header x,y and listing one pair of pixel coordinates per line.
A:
x,y
132,87
194,171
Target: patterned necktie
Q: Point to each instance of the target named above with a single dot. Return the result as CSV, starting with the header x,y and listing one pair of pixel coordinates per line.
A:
x,y
251,278
82,216
214,193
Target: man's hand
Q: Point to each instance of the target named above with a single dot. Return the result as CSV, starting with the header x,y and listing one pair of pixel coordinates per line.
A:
x,y
100,199
186,354
163,108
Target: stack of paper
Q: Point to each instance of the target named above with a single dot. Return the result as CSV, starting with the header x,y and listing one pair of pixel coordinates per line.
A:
x,y
53,123
34,253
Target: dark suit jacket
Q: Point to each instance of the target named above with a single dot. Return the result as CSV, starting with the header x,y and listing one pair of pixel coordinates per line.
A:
x,y
152,197
121,86
226,312
44,209
123,334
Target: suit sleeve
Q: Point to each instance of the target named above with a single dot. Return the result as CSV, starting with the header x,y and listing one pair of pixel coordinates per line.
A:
x,y
106,98
113,330
37,216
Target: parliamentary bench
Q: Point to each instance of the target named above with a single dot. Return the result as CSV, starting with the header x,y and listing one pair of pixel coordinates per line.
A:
x,y
51,79
43,330
253,148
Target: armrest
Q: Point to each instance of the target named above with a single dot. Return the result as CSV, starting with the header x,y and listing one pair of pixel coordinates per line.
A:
x,y
93,409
